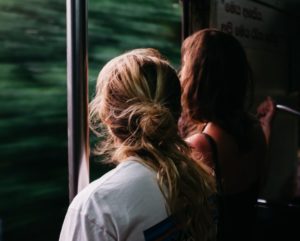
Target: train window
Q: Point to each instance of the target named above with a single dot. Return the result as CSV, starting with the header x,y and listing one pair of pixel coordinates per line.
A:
x,y
33,137
33,96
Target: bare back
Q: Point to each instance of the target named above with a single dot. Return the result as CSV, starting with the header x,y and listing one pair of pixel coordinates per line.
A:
x,y
239,170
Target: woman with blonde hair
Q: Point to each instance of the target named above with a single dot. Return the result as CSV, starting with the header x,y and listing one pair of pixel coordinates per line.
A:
x,y
156,192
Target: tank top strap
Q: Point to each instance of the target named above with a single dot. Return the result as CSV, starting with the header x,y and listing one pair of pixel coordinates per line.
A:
x,y
215,158
219,186
203,127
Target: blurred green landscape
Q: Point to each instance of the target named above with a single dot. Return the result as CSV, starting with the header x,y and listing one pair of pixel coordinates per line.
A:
x,y
33,99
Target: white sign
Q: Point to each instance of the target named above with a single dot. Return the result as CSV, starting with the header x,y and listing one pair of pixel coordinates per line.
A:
x,y
255,25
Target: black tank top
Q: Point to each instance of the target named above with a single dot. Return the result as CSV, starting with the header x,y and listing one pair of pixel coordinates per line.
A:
x,y
236,212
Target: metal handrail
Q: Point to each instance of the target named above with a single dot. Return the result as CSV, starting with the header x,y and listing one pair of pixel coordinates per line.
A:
x,y
288,109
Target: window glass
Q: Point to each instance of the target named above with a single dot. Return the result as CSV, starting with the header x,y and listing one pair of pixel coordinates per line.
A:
x,y
33,123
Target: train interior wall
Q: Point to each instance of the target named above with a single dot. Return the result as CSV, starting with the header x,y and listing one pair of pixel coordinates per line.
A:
x,y
270,33
269,30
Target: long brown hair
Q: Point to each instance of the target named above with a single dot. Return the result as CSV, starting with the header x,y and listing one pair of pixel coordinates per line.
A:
x,y
216,79
138,100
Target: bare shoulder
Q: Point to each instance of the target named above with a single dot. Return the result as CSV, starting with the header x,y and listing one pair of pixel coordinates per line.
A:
x,y
201,151
198,142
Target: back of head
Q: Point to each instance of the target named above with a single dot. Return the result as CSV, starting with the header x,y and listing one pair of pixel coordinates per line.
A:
x,y
215,75
216,83
138,100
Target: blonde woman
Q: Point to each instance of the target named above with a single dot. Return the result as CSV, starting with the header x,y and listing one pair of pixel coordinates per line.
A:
x,y
156,192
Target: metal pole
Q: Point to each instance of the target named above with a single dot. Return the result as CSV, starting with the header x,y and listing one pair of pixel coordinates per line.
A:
x,y
78,141
185,22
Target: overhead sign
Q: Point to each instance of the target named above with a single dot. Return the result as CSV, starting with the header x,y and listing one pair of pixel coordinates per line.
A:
x,y
255,25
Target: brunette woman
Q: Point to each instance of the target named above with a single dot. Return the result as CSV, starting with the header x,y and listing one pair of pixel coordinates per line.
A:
x,y
228,142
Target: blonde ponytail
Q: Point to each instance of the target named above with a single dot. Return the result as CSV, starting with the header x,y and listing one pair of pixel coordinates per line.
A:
x,y
138,100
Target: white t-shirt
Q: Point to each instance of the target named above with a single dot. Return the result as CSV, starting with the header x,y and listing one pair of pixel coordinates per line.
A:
x,y
124,204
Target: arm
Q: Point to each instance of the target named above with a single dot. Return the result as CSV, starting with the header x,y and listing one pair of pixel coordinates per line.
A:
x,y
265,114
79,227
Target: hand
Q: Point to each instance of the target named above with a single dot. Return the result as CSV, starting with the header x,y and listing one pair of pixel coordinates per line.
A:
x,y
265,113
266,110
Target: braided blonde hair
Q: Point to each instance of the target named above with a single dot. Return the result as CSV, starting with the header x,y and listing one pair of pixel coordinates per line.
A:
x,y
138,100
